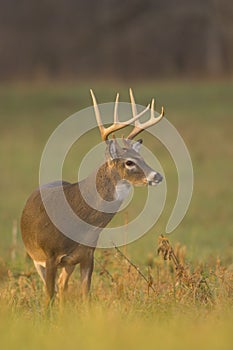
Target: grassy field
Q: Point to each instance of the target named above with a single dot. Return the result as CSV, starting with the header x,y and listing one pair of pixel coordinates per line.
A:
x,y
189,306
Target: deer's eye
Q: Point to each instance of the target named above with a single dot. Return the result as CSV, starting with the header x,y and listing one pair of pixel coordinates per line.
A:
x,y
129,163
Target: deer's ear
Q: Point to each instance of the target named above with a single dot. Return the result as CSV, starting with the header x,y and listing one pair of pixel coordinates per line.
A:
x,y
137,145
114,149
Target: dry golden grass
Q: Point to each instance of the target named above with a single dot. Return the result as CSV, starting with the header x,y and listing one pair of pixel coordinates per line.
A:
x,y
168,302
166,279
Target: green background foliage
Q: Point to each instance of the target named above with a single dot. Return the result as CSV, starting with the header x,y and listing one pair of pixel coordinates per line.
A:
x,y
121,314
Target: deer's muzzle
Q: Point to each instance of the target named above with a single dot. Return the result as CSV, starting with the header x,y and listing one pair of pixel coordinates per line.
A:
x,y
154,179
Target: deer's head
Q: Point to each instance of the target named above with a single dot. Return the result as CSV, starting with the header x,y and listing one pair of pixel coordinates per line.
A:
x,y
126,161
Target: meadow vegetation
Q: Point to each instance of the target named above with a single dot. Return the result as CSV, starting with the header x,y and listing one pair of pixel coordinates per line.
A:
x,y
185,299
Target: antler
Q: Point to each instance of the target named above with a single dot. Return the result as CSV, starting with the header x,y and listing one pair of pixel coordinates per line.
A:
x,y
139,127
105,132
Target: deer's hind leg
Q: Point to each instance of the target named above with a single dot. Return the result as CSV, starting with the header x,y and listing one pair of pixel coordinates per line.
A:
x,y
40,269
64,278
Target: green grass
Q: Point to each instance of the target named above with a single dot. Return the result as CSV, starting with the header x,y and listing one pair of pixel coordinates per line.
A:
x,y
202,113
104,330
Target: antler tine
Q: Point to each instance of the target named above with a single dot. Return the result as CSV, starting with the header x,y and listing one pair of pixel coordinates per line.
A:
x,y
116,120
133,104
139,127
105,132
97,114
152,107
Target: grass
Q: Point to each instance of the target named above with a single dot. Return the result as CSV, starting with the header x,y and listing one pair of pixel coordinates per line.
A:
x,y
181,313
190,306
105,330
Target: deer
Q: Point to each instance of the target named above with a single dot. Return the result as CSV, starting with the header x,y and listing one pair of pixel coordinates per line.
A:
x,y
48,247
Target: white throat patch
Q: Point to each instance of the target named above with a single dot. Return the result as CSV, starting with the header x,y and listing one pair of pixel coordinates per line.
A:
x,y
122,190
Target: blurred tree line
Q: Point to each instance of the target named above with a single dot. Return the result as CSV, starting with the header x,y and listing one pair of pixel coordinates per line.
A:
x,y
115,38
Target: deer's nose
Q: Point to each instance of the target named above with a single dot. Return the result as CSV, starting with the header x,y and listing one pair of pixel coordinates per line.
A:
x,y
154,178
158,178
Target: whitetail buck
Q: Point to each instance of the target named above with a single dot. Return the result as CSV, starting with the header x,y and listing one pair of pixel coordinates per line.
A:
x,y
48,247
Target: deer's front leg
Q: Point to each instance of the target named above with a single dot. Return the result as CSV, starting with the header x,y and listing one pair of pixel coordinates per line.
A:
x,y
86,269
50,276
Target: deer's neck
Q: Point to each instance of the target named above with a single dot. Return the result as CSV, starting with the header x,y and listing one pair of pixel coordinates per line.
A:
x,y
107,182
104,186
95,200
